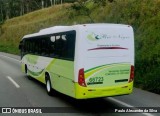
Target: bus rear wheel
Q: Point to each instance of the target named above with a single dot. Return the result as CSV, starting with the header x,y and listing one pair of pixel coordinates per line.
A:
x,y
48,85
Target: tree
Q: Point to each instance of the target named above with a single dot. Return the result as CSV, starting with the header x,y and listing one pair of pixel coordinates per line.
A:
x,y
51,2
1,11
13,8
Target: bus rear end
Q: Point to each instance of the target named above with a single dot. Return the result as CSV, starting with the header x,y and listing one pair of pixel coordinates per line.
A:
x,y
104,61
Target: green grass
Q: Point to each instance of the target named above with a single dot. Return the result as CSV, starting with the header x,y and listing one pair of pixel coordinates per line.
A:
x,y
143,15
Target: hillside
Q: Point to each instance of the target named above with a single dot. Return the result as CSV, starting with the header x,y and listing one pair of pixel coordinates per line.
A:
x,y
143,15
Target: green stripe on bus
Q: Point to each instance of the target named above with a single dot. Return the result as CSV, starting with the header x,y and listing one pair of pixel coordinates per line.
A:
x,y
104,65
35,73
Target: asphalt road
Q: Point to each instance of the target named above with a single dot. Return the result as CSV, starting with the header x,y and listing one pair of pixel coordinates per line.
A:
x,y
16,90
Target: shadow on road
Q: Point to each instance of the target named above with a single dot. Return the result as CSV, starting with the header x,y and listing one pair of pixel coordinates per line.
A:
x,y
96,105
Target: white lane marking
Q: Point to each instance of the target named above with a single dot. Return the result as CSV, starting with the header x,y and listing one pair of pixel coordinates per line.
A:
x,y
10,58
17,86
127,105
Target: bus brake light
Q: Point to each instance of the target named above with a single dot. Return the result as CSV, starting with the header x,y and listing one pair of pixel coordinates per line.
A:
x,y
81,79
131,74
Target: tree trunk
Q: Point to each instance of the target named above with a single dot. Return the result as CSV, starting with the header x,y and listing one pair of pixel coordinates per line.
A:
x,y
22,7
2,13
51,2
61,2
42,4
7,11
27,5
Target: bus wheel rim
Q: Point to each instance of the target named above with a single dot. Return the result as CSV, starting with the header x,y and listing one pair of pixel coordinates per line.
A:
x,y
48,86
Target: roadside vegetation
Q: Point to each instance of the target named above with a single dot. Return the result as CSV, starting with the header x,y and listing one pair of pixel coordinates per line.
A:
x,y
143,15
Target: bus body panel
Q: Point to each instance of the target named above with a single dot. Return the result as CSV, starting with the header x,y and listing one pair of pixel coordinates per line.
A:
x,y
60,72
85,93
36,66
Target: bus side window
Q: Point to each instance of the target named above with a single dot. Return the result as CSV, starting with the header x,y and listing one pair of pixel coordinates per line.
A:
x,y
48,46
70,46
43,47
40,46
57,46
36,46
27,46
64,46
52,45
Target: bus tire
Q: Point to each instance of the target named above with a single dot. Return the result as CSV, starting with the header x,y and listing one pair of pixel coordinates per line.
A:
x,y
26,71
48,85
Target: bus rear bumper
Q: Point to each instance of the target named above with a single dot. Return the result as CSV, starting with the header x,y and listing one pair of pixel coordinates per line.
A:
x,y
85,93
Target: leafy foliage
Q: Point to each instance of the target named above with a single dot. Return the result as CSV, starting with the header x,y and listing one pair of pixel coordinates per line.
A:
x,y
13,8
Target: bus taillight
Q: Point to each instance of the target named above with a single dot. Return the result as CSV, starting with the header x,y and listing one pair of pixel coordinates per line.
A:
x,y
81,79
131,74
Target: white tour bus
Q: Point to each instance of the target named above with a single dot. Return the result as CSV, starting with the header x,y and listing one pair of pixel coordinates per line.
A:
x,y
81,61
